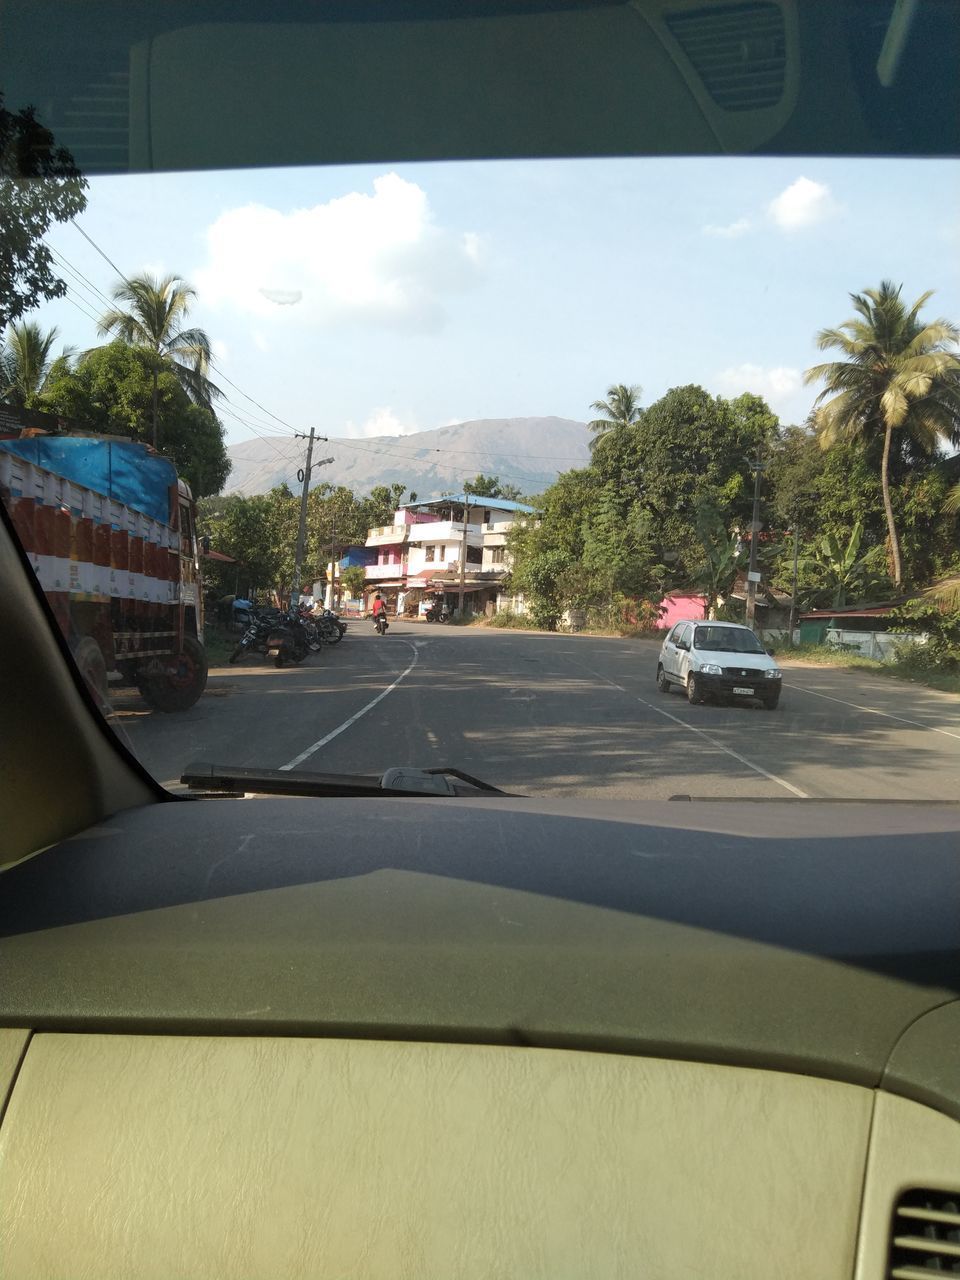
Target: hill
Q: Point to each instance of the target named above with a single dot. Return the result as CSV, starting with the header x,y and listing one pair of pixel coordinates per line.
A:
x,y
527,452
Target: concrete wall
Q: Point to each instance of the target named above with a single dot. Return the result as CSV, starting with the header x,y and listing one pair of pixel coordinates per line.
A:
x,y
880,645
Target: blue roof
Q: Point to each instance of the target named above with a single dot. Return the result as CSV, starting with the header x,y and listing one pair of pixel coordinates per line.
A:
x,y
475,500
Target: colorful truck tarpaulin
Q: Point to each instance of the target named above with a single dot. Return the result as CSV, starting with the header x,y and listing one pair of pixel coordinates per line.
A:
x,y
119,469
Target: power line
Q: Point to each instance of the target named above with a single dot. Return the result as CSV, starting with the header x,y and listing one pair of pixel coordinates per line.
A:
x,y
212,363
408,457
79,305
97,293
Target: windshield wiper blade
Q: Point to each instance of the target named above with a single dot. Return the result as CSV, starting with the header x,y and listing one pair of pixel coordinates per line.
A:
x,y
221,779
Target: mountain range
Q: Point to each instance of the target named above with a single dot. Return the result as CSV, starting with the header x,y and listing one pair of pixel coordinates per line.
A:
x,y
526,452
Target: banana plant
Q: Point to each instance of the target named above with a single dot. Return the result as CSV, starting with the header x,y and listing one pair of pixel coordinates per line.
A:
x,y
723,558
840,571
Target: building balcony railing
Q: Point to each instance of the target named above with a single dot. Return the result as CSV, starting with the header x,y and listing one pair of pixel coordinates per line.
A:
x,y
375,572
387,535
443,531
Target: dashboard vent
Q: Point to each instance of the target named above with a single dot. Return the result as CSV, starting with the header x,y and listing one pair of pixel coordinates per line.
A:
x,y
926,1236
94,123
739,51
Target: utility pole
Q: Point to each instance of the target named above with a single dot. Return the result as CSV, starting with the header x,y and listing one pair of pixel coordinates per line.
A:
x,y
463,551
753,575
303,475
333,551
793,592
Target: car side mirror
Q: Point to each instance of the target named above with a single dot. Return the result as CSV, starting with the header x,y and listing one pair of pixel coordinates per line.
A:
x,y
770,652
682,644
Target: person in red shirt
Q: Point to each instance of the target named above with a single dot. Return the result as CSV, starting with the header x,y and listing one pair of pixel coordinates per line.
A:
x,y
379,611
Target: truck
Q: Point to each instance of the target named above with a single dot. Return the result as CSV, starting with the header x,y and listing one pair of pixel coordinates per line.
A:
x,y
109,530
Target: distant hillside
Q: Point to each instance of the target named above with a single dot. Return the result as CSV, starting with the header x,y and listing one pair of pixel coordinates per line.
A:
x,y
527,452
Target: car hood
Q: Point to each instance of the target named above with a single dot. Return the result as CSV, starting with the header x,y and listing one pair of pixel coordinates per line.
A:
x,y
759,661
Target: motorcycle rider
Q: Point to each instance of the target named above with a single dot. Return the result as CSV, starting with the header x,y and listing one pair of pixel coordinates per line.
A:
x,y
379,610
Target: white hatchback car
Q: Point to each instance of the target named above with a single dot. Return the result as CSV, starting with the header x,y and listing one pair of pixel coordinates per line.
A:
x,y
718,659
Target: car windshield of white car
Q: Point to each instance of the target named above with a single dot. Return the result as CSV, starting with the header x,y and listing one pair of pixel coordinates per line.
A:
x,y
726,640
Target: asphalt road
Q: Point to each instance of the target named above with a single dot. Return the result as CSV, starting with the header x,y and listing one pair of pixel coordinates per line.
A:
x,y
557,715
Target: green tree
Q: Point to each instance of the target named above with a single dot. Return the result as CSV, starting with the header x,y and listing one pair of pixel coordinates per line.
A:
x,y
899,375
39,185
26,364
353,580
111,392
620,409
150,316
482,486
694,452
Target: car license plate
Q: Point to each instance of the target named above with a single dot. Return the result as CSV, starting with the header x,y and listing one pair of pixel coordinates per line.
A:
x,y
747,692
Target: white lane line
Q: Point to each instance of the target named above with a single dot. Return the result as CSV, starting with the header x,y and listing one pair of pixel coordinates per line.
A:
x,y
873,711
684,724
305,755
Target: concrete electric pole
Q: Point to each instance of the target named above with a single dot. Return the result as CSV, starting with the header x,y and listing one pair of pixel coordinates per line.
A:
x,y
304,475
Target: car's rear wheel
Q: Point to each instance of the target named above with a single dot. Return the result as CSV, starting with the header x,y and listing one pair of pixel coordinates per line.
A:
x,y
663,684
694,693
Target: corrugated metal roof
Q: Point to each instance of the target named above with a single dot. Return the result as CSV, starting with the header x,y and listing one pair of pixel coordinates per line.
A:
x,y
476,500
873,611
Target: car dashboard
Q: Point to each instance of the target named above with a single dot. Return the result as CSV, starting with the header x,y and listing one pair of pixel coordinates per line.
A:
x,y
279,1036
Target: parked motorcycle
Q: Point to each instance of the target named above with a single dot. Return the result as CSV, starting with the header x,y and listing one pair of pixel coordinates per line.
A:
x,y
271,630
337,621
330,628
438,612
311,629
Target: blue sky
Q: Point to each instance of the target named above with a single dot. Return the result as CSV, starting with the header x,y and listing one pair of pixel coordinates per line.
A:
x,y
377,300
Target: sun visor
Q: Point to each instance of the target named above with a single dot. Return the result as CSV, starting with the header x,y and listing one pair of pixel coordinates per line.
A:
x,y
594,81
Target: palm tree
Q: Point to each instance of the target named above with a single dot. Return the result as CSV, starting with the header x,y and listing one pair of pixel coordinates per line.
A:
x,y
26,364
156,308
899,375
620,409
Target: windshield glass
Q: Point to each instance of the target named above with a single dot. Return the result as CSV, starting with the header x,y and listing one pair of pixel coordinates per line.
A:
x,y
726,640
338,469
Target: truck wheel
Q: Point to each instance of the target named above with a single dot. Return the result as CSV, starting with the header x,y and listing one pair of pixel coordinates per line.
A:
x,y
128,672
90,662
179,690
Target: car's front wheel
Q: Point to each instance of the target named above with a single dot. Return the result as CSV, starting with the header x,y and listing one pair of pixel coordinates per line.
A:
x,y
694,693
663,684
772,701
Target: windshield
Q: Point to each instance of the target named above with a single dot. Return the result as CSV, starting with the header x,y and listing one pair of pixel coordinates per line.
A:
x,y
726,640
345,468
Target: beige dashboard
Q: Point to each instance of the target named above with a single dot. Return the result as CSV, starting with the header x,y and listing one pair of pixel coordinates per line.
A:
x,y
165,1156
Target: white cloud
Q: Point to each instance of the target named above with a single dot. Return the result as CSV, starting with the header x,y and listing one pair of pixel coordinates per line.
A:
x,y
731,230
803,204
779,385
381,422
368,256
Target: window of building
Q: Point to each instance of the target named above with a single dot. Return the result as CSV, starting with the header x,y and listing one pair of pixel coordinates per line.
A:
x,y
497,554
474,555
429,554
